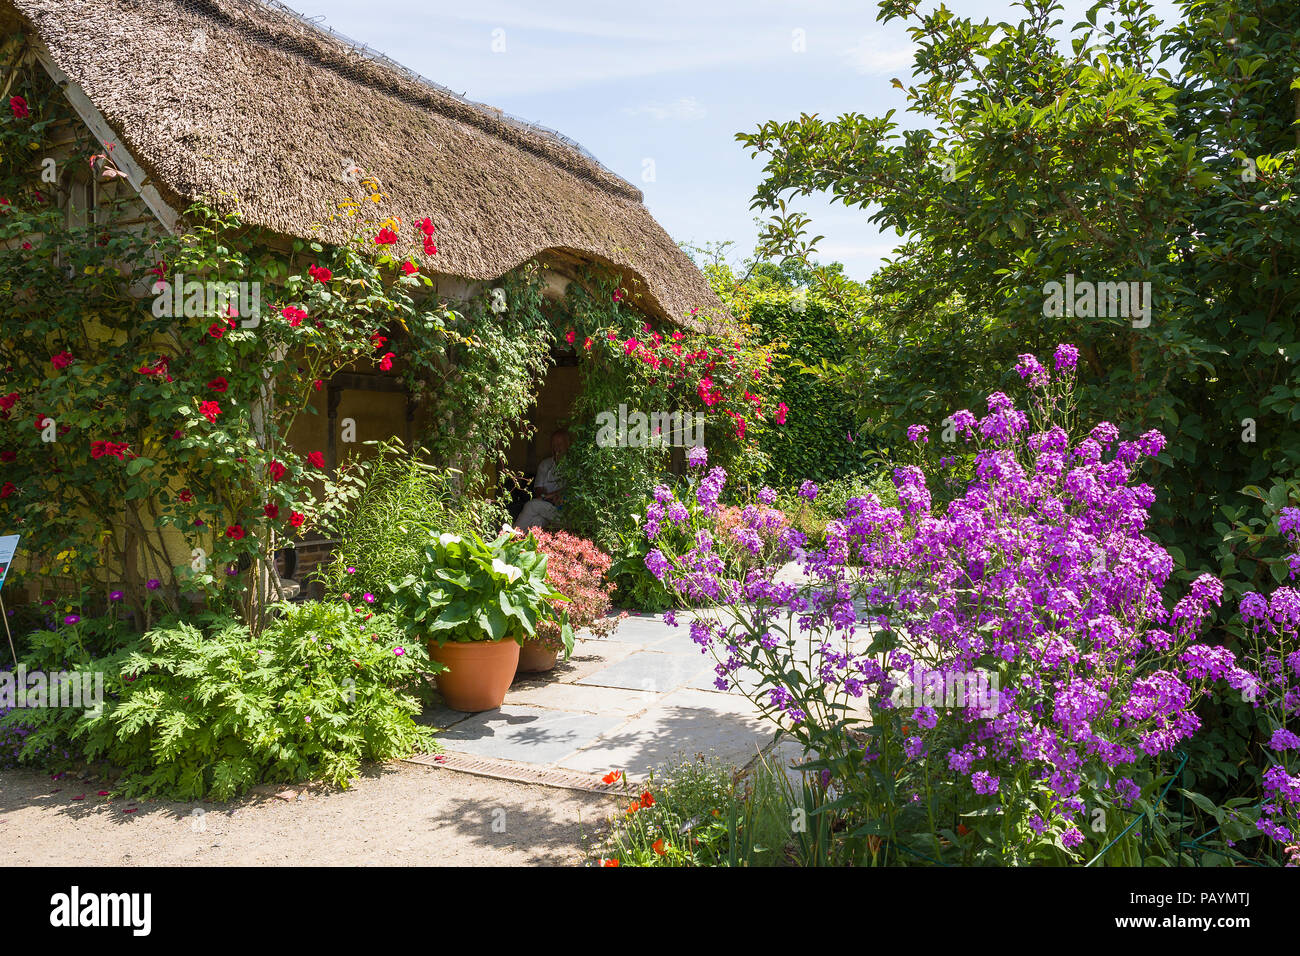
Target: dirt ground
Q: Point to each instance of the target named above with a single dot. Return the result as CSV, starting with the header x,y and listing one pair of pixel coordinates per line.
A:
x,y
395,815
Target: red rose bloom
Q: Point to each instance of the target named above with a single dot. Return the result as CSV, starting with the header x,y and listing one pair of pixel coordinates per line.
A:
x,y
186,495
271,511
275,470
386,362
218,384
294,315
216,330
426,227
8,456
409,267
320,274
316,459
62,360
429,248
385,237
210,411
234,531
7,489
296,519
19,107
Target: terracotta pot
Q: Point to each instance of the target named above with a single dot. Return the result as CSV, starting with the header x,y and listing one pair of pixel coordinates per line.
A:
x,y
535,658
478,673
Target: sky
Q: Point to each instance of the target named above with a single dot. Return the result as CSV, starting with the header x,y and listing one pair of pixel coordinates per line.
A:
x,y
657,91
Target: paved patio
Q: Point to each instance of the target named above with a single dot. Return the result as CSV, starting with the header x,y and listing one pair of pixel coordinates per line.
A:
x,y
632,702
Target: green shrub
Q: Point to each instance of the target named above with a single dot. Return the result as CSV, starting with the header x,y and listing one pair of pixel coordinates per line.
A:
x,y
405,502
189,714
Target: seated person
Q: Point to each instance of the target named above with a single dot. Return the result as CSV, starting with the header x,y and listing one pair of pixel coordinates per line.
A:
x,y
548,488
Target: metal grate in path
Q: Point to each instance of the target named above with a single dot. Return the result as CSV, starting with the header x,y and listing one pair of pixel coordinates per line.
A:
x,y
520,773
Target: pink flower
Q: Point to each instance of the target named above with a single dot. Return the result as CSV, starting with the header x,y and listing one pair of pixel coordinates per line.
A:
x,y
399,650
781,411
62,360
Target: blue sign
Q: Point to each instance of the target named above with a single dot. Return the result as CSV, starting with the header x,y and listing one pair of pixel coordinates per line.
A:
x,y
8,545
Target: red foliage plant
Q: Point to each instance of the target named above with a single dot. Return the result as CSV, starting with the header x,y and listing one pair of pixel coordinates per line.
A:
x,y
576,568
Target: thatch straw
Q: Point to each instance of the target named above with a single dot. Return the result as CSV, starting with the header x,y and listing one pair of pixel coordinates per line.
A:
x,y
238,97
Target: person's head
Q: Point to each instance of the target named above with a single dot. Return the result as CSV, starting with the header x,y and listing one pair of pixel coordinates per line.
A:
x,y
560,442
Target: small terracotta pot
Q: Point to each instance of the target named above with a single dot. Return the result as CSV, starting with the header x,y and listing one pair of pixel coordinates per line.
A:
x,y
535,657
478,673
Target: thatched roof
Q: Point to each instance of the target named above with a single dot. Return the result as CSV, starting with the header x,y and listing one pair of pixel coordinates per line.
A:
x,y
244,98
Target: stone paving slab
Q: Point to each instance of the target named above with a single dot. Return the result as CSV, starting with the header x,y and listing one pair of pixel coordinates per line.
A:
x,y
651,670
529,734
683,723
634,701
583,698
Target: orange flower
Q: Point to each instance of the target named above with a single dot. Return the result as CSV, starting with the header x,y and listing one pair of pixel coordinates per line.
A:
x,y
962,829
658,847
647,800
611,777
613,862
633,807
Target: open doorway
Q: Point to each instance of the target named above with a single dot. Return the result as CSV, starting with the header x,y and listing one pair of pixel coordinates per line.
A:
x,y
556,395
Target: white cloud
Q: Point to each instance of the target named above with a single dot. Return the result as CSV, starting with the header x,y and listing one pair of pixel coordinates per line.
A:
x,y
686,109
876,54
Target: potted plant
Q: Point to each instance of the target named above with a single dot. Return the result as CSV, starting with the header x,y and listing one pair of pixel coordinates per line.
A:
x,y
576,567
475,602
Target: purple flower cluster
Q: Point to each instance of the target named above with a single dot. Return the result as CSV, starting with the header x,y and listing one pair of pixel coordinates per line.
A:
x,y
1040,570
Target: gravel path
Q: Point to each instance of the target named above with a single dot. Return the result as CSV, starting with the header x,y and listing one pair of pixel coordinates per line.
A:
x,y
395,814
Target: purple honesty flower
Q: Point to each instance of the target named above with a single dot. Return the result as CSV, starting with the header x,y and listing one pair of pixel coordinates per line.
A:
x,y
670,618
153,584
697,457
918,433
766,495
72,619
808,490
1283,739
1067,357
656,563
115,595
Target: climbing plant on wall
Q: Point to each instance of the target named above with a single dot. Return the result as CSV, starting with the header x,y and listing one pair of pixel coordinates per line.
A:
x,y
143,415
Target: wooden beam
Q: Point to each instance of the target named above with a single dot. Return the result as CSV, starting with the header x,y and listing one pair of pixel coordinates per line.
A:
x,y
95,122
